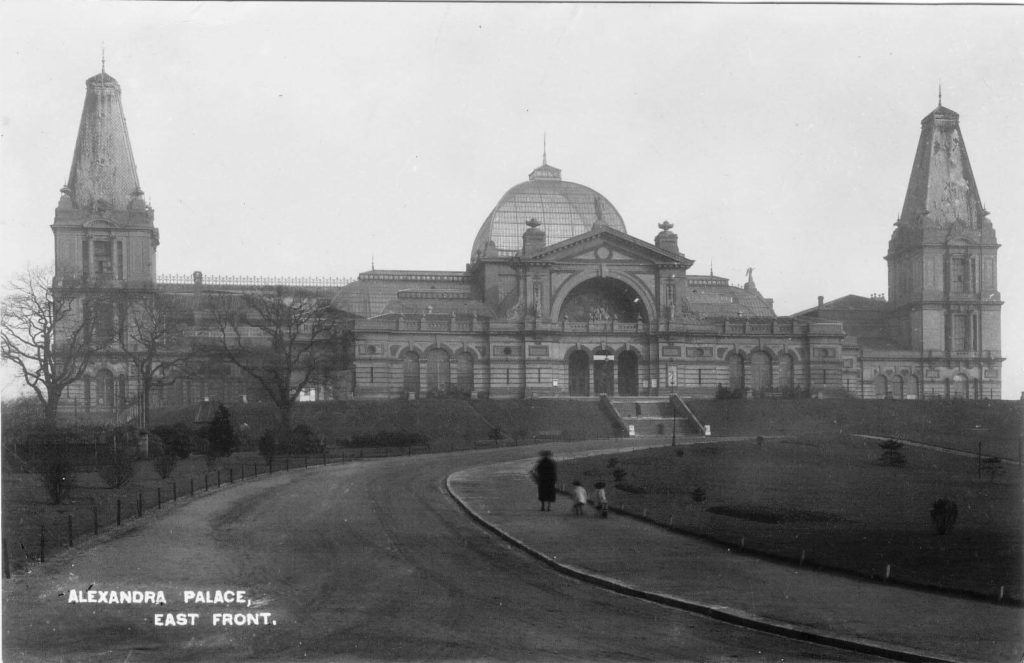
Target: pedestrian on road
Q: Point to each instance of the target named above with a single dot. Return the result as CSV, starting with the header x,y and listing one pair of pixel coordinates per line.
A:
x,y
601,499
579,498
545,475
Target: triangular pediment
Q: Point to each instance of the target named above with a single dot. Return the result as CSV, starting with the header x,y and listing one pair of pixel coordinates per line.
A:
x,y
607,245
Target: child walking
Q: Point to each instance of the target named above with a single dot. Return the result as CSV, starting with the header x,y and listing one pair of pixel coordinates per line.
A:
x,y
579,498
601,499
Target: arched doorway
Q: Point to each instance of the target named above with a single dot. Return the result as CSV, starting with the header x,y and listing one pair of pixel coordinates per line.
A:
x,y
897,387
958,387
881,386
411,373
736,376
629,374
604,372
439,371
760,371
579,373
104,389
464,372
786,371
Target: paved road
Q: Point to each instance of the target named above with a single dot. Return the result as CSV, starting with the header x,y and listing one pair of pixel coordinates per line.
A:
x,y
368,561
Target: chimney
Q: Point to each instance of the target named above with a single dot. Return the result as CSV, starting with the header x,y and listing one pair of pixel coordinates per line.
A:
x,y
667,240
821,302
534,239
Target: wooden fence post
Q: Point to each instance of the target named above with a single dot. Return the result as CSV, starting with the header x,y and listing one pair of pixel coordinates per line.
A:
x,y
191,487
174,491
71,533
118,511
140,504
7,562
42,543
95,521
218,478
158,498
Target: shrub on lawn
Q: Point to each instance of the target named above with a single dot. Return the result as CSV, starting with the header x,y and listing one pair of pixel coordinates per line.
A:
x,y
221,434
267,446
176,439
305,440
619,474
892,454
943,514
121,467
495,434
164,464
698,495
56,471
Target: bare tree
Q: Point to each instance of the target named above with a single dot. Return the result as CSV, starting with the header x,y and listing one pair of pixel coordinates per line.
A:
x,y
47,333
152,337
284,339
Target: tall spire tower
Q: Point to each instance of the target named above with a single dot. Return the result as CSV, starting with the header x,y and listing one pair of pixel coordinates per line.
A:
x,y
103,228
943,266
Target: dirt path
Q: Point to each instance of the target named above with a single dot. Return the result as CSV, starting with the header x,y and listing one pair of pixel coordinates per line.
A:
x,y
365,561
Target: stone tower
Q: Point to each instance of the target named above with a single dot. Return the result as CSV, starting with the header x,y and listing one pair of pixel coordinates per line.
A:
x,y
103,229
942,268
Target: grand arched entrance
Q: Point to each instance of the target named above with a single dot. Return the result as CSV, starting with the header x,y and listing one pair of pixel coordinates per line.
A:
x,y
579,373
603,299
629,374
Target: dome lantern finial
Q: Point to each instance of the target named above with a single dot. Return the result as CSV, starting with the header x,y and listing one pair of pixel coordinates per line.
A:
x,y
103,59
545,155
940,94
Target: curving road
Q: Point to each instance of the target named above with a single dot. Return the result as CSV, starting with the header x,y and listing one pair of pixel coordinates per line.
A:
x,y
369,561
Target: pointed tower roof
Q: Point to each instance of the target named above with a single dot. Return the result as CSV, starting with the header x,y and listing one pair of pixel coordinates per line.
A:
x,y
942,190
103,168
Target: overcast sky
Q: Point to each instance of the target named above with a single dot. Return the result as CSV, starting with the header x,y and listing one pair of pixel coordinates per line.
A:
x,y
313,139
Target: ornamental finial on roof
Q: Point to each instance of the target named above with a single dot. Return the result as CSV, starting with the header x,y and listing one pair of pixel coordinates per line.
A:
x,y
103,59
545,157
940,94
532,222
665,225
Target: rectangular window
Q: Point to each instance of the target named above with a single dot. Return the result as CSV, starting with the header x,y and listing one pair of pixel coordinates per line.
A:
x,y
959,333
958,278
102,259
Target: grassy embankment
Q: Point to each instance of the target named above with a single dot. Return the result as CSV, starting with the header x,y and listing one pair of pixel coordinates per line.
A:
x,y
829,499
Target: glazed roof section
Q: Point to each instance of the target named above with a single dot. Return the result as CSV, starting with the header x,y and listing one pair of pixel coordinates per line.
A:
x,y
564,210
103,167
866,319
383,292
708,296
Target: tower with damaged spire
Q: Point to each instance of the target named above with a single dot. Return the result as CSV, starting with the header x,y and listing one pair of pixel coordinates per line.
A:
x,y
103,229
942,264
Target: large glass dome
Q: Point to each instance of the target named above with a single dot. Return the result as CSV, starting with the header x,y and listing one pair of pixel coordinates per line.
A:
x,y
564,210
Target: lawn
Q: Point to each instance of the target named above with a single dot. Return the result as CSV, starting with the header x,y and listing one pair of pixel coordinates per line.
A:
x,y
831,502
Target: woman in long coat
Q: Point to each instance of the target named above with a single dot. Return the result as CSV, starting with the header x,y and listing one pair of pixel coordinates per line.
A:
x,y
545,473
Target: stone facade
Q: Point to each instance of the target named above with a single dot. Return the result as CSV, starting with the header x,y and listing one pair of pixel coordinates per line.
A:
x,y
559,300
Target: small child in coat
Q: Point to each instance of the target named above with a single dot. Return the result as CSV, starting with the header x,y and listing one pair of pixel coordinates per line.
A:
x,y
601,499
579,498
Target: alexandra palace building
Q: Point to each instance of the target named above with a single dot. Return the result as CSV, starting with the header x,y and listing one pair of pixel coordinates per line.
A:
x,y
559,300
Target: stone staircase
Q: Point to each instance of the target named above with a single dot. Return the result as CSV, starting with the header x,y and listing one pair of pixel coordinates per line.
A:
x,y
650,417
